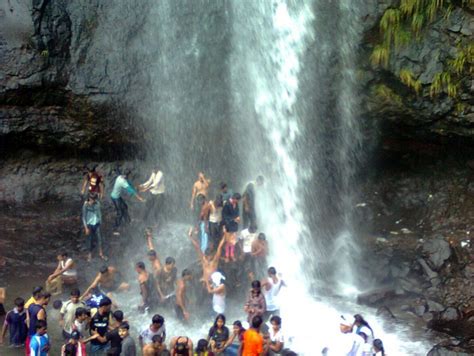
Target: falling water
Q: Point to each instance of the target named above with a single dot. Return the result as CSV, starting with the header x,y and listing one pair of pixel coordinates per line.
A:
x,y
241,88
271,93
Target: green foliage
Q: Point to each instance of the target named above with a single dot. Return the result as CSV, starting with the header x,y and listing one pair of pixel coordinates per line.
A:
x,y
403,23
387,96
407,78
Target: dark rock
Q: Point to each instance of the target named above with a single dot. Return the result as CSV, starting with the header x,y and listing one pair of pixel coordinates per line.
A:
x,y
437,251
435,306
375,296
446,351
450,314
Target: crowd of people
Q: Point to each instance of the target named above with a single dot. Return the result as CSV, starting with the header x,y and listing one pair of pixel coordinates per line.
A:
x,y
232,255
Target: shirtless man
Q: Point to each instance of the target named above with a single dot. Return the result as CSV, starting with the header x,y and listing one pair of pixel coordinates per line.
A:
x,y
200,187
155,262
155,348
107,280
146,283
166,279
180,307
259,254
209,263
149,238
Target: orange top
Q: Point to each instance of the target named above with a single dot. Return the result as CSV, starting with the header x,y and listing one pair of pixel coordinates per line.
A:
x,y
253,343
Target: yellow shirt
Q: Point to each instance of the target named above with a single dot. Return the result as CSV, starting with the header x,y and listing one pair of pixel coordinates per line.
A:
x,y
29,302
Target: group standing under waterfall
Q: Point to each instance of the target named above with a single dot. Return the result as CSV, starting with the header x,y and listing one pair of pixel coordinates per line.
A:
x,y
232,259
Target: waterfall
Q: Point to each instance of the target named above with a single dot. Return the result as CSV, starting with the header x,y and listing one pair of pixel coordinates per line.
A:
x,y
242,88
294,87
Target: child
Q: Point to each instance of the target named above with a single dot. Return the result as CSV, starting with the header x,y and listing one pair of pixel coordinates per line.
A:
x,y
230,241
128,345
39,343
15,323
74,347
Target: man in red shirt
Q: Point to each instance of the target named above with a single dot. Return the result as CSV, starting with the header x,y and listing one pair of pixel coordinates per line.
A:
x,y
252,344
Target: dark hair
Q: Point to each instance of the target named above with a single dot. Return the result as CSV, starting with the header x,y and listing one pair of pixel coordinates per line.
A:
x,y
261,236
127,172
80,311
218,201
272,270
157,338
223,185
75,335
256,321
57,304
19,302
276,319
44,295
238,323
41,324
75,292
63,254
140,265
256,284
105,302
118,315
157,319
221,317
236,196
37,290
169,260
124,326
252,228
104,269
360,320
186,272
202,345
151,253
379,345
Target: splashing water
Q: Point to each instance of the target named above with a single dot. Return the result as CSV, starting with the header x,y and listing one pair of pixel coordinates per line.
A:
x,y
270,45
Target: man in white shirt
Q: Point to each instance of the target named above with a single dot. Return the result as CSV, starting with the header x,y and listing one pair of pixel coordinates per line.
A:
x,y
246,238
156,187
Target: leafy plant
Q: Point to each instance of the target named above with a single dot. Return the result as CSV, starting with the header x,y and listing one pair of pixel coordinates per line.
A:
x,y
401,24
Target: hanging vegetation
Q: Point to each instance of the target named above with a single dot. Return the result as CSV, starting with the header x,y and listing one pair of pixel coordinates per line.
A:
x,y
401,25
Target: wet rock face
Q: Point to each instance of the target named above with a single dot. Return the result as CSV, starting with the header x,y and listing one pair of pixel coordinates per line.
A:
x,y
409,116
421,220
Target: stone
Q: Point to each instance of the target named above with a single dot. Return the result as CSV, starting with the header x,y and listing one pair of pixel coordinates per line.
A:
x,y
437,251
446,351
450,314
434,306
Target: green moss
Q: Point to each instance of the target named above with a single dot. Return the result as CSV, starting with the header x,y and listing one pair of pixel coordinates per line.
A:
x,y
402,24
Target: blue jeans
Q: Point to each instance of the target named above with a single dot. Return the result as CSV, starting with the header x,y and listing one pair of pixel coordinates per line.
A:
x,y
93,237
204,237
121,210
98,349
231,350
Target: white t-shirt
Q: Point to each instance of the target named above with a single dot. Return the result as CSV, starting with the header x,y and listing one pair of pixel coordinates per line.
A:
x,y
248,238
147,334
155,183
271,296
68,310
278,336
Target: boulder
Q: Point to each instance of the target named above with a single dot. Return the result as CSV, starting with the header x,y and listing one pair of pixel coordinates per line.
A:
x,y
437,251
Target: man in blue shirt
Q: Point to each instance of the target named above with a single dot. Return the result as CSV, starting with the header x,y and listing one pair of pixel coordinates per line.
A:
x,y
39,343
91,219
122,184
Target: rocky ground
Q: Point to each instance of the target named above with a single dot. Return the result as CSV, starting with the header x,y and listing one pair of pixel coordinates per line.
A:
x,y
421,241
